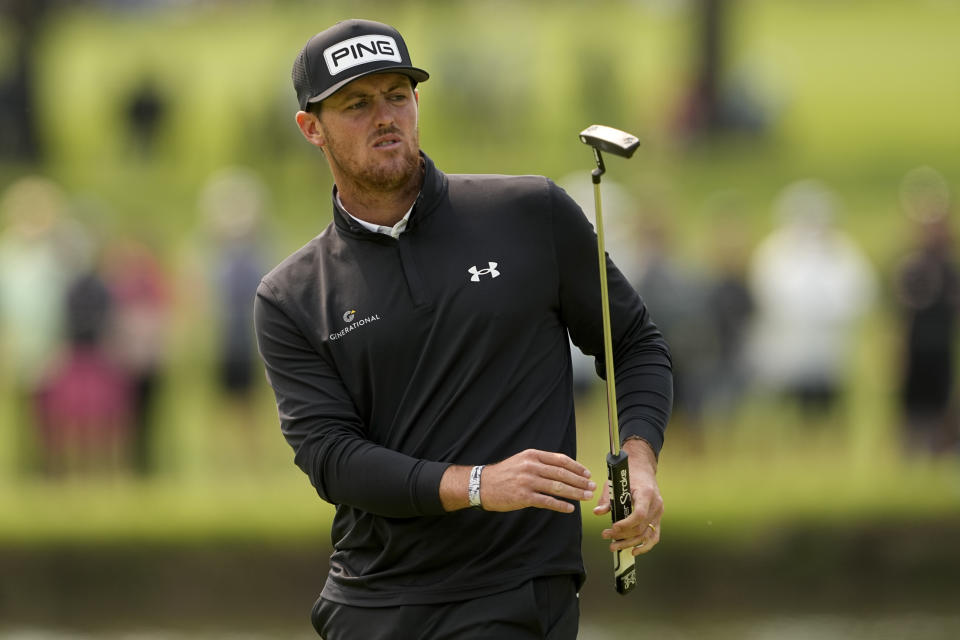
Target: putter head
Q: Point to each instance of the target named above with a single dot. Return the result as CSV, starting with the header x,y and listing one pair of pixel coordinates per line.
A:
x,y
610,140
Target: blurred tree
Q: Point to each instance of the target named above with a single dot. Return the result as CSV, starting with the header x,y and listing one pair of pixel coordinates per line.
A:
x,y
700,112
716,103
19,136
711,35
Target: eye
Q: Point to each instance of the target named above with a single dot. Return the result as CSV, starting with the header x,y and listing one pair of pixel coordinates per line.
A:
x,y
359,104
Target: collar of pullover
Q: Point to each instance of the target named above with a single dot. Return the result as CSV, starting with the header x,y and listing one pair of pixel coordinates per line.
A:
x,y
434,186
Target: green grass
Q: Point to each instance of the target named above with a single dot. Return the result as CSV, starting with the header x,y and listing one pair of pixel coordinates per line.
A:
x,y
755,477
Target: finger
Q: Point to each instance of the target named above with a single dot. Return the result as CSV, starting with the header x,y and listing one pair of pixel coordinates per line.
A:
x,y
640,540
543,501
628,543
618,532
603,504
641,549
632,523
650,540
561,490
564,461
559,474
619,535
641,516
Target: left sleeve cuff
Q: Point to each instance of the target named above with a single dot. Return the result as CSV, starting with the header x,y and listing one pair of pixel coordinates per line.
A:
x,y
427,487
645,431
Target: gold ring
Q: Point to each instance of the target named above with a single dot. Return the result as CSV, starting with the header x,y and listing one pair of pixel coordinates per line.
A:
x,y
652,528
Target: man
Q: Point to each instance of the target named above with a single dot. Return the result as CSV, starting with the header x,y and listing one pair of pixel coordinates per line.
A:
x,y
418,351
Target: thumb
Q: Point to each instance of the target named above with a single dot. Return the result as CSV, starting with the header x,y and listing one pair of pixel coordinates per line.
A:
x,y
603,503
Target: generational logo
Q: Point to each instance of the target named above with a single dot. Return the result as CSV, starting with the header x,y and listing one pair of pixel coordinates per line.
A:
x,y
476,273
349,316
360,50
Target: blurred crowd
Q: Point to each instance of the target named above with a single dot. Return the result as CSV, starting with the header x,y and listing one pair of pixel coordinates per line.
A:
x,y
85,322
85,316
782,316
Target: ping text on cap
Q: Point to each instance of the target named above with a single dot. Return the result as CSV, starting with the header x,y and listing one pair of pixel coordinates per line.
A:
x,y
360,50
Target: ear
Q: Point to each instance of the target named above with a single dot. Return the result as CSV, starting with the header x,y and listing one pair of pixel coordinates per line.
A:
x,y
309,125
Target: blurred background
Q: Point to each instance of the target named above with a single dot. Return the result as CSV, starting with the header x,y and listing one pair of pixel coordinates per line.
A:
x,y
789,220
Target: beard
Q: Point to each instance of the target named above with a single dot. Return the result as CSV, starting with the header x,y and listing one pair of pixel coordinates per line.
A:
x,y
391,173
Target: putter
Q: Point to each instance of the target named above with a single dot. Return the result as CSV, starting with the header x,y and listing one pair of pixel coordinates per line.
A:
x,y
622,144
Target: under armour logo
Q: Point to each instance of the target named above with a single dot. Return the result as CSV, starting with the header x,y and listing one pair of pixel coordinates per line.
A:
x,y
492,270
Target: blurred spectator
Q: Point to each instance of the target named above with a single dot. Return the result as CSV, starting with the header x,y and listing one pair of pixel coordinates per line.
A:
x,y
927,286
146,110
83,402
33,276
677,295
141,297
730,304
234,202
811,285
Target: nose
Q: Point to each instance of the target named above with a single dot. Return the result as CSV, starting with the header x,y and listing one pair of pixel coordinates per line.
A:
x,y
383,114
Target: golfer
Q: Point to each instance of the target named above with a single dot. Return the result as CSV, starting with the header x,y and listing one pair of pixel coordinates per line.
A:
x,y
418,350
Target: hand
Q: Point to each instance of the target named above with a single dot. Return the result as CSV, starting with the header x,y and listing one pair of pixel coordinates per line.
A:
x,y
641,529
535,478
531,478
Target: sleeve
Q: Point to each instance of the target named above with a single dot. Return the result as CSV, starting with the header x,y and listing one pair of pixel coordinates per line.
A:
x,y
641,357
321,424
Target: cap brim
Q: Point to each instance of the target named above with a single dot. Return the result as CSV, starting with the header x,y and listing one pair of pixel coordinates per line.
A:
x,y
418,75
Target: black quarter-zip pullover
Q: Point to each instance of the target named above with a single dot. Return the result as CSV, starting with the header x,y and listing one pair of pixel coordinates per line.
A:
x,y
393,358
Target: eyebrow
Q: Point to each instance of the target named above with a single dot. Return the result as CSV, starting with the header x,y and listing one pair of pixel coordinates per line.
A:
x,y
359,93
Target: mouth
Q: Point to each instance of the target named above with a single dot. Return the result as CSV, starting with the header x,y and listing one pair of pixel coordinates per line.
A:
x,y
386,142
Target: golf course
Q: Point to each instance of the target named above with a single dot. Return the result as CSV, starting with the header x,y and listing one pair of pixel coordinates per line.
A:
x,y
777,524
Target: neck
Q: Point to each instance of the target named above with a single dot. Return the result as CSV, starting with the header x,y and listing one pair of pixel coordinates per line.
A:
x,y
380,207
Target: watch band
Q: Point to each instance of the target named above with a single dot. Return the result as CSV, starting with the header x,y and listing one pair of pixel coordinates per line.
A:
x,y
473,488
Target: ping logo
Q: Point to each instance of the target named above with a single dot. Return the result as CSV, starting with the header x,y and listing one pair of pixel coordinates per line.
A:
x,y
360,50
476,273
349,315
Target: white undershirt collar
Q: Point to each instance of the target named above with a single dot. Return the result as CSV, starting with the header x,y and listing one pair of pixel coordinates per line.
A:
x,y
393,232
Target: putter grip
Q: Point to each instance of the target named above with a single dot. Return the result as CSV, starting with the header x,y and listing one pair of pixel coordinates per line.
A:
x,y
621,506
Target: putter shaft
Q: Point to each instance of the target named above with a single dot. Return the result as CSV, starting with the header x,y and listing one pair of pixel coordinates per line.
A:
x,y
613,422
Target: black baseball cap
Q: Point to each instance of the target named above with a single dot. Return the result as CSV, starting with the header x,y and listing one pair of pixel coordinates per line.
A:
x,y
346,51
